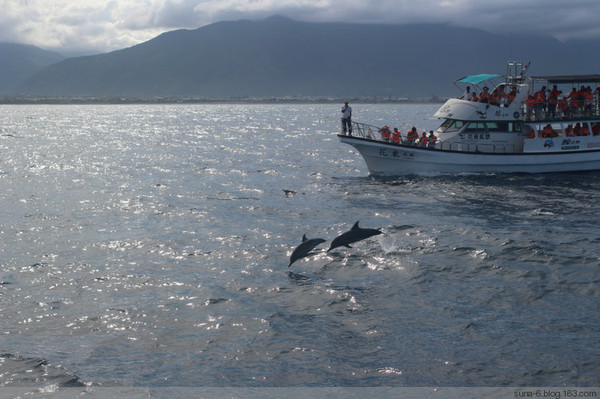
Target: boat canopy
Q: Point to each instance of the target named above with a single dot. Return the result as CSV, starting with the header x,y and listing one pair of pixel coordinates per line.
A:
x,y
476,79
566,79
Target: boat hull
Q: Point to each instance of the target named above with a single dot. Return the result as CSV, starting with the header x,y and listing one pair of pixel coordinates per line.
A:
x,y
387,159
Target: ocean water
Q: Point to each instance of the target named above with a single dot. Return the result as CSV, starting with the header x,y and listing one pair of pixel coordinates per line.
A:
x,y
148,245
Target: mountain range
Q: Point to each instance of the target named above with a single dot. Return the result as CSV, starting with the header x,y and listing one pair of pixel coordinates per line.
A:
x,y
20,62
282,57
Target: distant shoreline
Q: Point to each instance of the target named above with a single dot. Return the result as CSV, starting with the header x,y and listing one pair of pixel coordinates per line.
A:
x,y
24,100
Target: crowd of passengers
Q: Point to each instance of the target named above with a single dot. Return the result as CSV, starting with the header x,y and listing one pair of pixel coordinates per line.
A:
x,y
497,97
570,131
544,103
552,104
412,137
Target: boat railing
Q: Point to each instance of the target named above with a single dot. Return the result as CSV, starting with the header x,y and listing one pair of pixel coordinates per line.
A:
x,y
542,111
371,132
365,131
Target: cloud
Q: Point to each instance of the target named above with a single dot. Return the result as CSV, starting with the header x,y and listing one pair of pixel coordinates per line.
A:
x,y
105,25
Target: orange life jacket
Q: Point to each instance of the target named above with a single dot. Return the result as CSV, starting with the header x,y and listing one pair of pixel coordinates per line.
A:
x,y
431,140
547,132
562,104
540,97
385,133
569,131
530,102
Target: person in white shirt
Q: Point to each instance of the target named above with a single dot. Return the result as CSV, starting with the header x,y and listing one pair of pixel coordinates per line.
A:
x,y
347,118
468,94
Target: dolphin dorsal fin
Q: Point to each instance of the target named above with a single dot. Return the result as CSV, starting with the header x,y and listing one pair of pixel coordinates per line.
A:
x,y
303,237
355,227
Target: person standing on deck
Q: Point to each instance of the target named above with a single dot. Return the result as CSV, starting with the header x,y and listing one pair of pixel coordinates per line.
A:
x,y
347,119
431,140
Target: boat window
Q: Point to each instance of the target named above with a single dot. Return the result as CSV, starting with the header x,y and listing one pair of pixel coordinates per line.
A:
x,y
476,127
529,131
557,129
595,128
548,130
499,126
450,125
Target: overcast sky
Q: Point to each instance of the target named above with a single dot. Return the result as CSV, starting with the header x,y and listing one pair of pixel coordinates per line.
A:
x,y
92,26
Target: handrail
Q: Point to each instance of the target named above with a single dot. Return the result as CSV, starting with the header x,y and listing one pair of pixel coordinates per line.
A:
x,y
365,131
543,111
371,132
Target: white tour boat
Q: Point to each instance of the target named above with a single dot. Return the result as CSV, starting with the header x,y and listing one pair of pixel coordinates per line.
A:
x,y
559,132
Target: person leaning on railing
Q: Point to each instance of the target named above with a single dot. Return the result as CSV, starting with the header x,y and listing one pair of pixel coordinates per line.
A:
x,y
431,140
412,136
385,133
396,136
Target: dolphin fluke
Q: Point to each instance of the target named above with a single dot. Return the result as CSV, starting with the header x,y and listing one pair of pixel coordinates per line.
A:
x,y
355,234
304,248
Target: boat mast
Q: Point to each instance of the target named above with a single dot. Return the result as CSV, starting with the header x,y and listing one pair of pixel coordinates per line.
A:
x,y
515,72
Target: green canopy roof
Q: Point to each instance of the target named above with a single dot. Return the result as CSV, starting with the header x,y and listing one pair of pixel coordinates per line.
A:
x,y
476,79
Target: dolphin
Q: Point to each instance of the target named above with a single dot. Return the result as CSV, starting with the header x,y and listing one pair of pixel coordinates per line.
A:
x,y
304,249
353,235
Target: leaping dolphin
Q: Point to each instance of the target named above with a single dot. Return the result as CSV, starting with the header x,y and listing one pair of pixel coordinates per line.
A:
x,y
304,249
353,235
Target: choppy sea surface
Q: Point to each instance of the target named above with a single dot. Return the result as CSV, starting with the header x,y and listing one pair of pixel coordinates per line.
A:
x,y
148,245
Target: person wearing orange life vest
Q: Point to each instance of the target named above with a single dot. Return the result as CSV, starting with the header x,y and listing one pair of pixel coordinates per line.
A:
x,y
498,96
412,136
431,140
554,91
540,102
546,132
485,96
584,130
494,98
396,136
511,96
531,133
530,103
552,102
553,96
385,133
569,132
574,100
423,140
475,98
577,129
563,106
